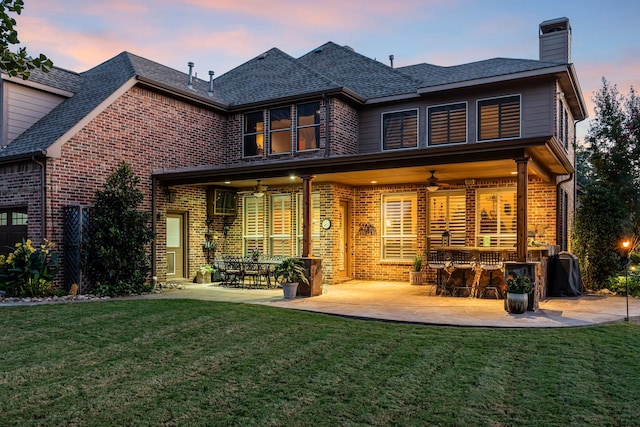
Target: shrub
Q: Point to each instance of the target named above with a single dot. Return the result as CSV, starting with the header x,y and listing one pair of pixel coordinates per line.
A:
x,y
28,271
618,284
114,253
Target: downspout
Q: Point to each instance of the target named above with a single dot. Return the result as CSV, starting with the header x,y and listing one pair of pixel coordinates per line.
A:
x,y
326,125
558,202
154,276
43,197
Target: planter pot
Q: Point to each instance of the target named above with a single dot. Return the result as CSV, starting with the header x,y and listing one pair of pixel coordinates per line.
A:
x,y
290,290
415,277
517,303
203,277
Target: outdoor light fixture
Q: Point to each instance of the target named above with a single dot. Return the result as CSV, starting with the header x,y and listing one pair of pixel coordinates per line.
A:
x,y
626,246
432,182
170,194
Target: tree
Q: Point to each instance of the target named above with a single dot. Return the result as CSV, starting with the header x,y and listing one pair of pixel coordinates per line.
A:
x,y
17,64
115,255
609,168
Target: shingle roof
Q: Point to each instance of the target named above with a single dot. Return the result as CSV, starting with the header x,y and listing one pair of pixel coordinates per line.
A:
x,y
433,75
366,77
271,76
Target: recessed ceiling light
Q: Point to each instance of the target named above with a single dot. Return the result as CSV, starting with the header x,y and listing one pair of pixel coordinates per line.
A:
x,y
514,173
374,182
227,182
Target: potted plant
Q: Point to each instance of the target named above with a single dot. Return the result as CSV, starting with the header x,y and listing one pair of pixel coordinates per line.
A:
x,y
255,254
203,275
290,273
518,287
415,275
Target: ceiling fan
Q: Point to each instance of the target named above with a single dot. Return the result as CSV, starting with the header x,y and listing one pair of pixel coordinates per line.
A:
x,y
432,182
259,189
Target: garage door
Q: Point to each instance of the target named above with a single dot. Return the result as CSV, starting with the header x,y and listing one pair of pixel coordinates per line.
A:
x,y
13,228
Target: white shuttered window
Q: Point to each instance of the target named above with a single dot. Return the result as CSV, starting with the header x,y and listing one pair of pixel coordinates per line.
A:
x,y
399,213
280,236
315,224
447,212
253,230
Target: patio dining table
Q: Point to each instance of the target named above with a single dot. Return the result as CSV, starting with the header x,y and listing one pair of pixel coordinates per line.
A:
x,y
246,272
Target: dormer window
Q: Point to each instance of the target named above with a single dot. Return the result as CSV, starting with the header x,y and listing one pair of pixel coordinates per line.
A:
x,y
400,130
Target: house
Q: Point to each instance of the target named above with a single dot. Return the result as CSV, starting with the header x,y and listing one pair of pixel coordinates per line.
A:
x,y
332,155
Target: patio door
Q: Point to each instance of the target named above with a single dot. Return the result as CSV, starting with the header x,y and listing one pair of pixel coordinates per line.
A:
x,y
175,246
343,260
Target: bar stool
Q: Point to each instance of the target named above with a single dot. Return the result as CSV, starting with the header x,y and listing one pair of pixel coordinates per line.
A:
x,y
462,260
490,261
438,261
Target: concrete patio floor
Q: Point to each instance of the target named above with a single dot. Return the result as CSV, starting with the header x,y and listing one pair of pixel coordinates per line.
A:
x,y
395,301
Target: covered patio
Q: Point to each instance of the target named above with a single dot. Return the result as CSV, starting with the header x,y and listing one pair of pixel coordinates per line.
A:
x,y
352,212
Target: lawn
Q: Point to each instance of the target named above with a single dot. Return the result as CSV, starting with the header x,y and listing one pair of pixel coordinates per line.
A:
x,y
190,363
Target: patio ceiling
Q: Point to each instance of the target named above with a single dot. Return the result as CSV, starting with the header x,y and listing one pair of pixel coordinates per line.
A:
x,y
451,165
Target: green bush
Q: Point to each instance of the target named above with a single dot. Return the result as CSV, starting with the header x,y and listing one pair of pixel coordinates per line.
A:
x,y
114,253
28,271
618,284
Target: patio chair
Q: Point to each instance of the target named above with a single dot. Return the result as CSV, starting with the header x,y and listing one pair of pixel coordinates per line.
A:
x,y
490,261
251,273
232,271
437,260
462,260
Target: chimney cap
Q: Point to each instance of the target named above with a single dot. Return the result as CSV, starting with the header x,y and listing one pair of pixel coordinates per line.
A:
x,y
555,25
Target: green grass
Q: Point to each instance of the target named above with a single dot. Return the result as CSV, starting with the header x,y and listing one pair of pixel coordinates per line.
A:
x,y
184,362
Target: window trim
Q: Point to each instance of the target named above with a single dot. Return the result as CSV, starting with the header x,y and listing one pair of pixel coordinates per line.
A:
x,y
382,140
466,123
480,100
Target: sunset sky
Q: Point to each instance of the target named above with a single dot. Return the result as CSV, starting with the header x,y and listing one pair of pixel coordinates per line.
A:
x,y
219,35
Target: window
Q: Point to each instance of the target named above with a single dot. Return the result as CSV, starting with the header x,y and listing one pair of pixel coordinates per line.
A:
x,y
253,134
280,235
499,118
448,212
566,129
399,212
308,126
253,227
315,224
13,228
400,130
496,217
280,130
448,124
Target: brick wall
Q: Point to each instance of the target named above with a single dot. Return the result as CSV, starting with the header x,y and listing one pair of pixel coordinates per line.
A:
x,y
343,128
20,186
149,131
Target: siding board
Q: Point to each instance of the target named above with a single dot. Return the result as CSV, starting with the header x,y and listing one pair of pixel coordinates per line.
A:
x,y
24,107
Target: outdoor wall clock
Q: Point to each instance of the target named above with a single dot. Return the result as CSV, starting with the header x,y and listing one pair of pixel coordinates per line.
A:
x,y
326,224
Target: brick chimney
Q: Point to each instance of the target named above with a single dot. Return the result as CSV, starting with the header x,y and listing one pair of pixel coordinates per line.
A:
x,y
555,41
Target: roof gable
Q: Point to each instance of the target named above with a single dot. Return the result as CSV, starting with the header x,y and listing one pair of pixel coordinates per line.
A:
x,y
271,76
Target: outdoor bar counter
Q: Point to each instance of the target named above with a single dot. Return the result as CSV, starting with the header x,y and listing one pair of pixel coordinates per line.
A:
x,y
462,278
